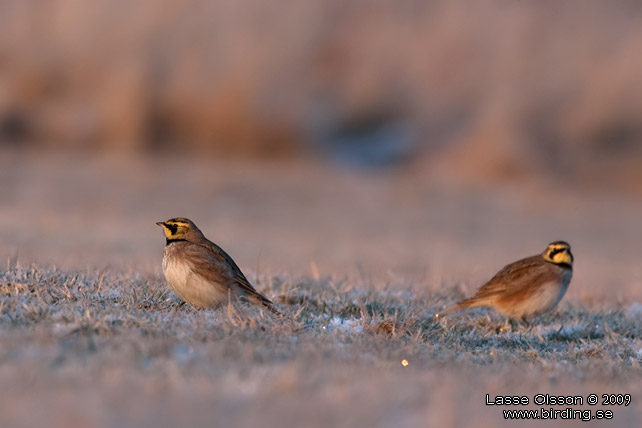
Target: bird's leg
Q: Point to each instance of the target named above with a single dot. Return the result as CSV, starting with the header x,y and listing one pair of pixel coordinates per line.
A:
x,y
531,329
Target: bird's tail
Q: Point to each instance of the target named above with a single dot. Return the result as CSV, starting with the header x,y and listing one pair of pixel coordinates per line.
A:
x,y
270,307
258,299
468,303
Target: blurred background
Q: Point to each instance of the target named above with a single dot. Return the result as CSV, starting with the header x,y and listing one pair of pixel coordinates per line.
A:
x,y
430,141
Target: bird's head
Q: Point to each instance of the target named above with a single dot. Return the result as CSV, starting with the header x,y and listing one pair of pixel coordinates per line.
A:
x,y
179,228
559,253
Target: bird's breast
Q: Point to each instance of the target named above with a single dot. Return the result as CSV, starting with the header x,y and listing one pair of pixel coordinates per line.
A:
x,y
176,272
191,286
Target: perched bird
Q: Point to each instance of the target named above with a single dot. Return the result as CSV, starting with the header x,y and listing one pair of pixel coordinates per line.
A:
x,y
526,288
200,272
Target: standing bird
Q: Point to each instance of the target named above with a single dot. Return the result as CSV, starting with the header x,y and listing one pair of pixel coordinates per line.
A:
x,y
200,272
526,288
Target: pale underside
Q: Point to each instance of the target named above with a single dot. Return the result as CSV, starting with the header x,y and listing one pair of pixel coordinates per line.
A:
x,y
193,287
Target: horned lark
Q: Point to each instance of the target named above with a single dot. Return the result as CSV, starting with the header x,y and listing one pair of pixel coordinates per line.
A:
x,y
200,272
528,287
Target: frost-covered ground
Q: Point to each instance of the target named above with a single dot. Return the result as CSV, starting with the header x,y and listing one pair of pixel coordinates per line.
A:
x,y
105,349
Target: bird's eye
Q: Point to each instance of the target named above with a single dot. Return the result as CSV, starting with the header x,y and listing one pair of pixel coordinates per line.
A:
x,y
172,227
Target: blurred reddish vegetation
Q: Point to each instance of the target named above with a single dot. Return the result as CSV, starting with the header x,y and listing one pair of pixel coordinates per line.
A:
x,y
496,89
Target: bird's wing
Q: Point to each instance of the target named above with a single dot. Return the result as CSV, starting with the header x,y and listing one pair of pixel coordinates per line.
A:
x,y
513,278
228,270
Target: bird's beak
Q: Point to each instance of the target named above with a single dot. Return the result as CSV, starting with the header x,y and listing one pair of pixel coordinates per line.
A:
x,y
161,223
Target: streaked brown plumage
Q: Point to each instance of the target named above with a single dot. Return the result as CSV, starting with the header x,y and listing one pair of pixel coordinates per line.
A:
x,y
200,272
528,287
